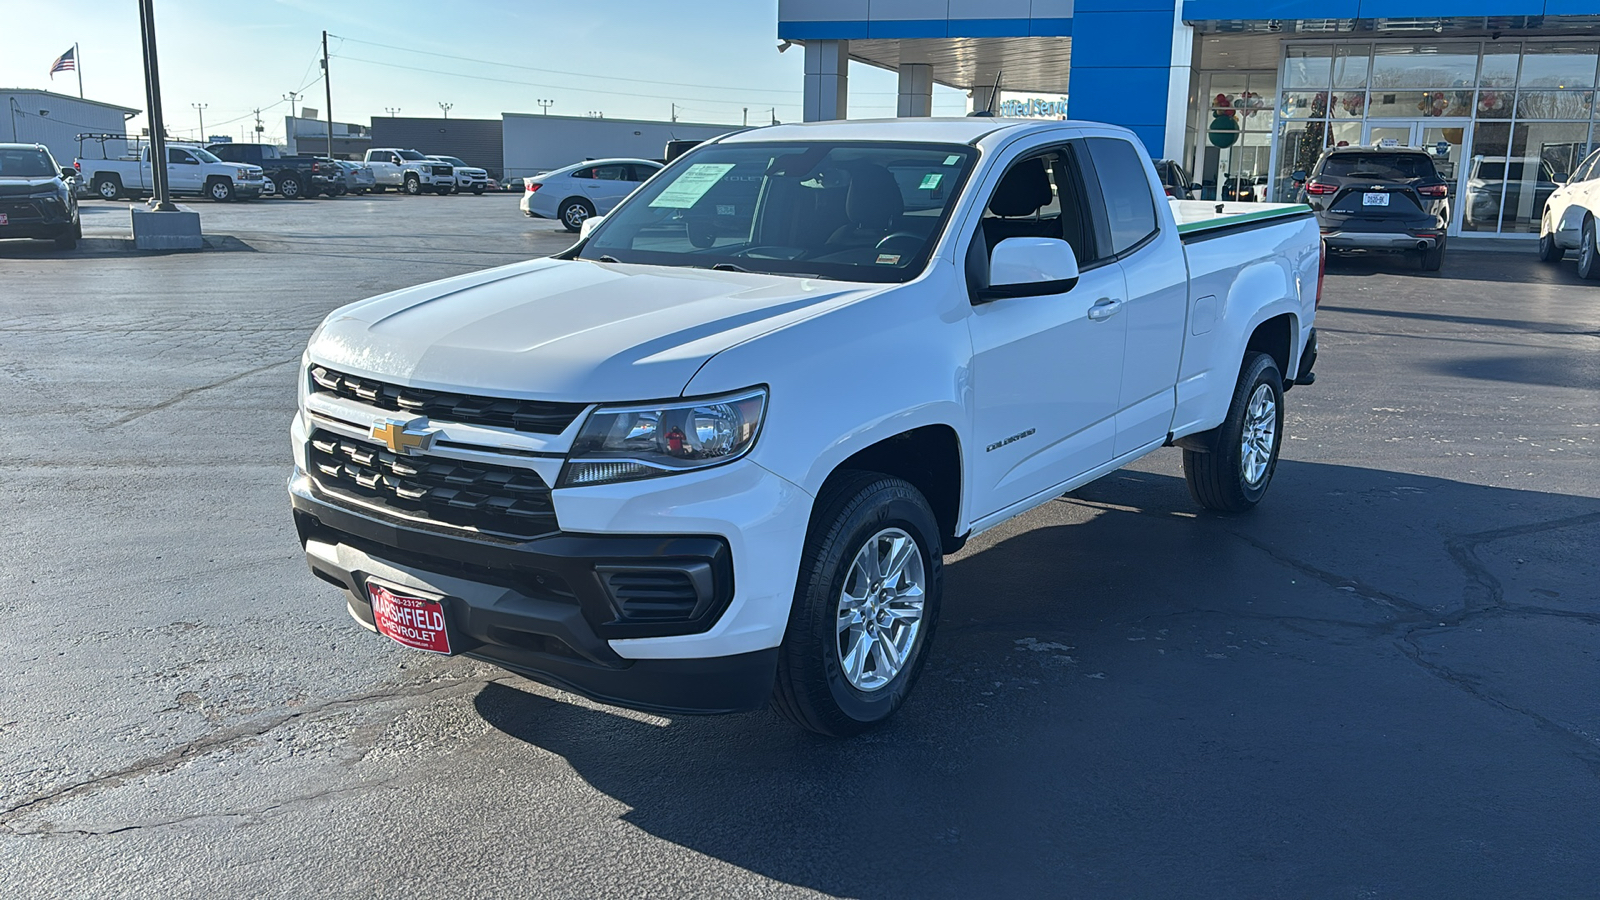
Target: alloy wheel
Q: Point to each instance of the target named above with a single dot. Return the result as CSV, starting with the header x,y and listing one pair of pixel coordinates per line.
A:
x,y
880,609
1259,433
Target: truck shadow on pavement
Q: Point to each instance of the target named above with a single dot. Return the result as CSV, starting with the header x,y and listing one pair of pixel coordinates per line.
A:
x,y
1377,684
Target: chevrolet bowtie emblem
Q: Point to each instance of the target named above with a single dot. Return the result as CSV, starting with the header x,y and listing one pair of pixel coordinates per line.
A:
x,y
400,437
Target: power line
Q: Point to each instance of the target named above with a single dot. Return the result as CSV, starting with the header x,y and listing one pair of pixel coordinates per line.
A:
x,y
573,74
557,87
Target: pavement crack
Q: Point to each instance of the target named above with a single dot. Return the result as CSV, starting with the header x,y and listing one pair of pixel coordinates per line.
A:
x,y
186,394
216,741
1484,591
1370,593
197,817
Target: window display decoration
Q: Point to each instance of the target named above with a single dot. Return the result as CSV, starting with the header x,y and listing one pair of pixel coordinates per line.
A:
x,y
1494,102
1436,104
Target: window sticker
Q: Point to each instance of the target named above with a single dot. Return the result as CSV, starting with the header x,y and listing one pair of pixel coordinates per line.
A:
x,y
687,189
888,259
952,159
930,181
726,209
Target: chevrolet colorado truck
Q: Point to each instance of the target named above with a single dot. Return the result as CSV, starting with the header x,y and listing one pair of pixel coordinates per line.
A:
x,y
714,454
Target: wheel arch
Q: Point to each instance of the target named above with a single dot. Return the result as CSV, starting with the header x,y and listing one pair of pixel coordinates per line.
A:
x,y
929,457
1276,338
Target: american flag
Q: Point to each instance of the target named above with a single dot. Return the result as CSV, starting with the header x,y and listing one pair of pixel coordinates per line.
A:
x,y
63,63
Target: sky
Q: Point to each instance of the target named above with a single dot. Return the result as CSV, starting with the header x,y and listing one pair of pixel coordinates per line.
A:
x,y
624,58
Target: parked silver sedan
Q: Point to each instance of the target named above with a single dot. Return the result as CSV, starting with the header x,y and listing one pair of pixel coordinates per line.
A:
x,y
356,177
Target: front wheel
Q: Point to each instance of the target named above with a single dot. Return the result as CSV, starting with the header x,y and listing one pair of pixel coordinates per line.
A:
x,y
1588,253
413,185
69,241
479,189
871,576
1232,476
1549,251
220,190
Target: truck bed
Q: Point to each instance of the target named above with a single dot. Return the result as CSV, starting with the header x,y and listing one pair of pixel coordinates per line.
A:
x,y
1207,217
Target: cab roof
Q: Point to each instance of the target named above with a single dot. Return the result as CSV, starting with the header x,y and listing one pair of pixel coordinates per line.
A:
x,y
945,130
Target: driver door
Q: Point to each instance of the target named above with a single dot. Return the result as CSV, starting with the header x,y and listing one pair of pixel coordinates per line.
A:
x,y
1046,371
183,171
607,186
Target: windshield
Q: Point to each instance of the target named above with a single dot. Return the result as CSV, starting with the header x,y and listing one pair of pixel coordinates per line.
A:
x,y
411,154
205,156
450,159
26,162
1393,166
852,211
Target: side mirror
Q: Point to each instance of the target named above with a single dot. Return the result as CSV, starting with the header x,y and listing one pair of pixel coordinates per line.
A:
x,y
1560,177
68,173
1299,176
1030,267
588,226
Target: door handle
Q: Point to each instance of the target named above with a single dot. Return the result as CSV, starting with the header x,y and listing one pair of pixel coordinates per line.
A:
x,y
1104,308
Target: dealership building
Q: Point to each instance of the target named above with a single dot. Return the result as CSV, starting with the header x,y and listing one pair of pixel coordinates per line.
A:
x,y
1501,92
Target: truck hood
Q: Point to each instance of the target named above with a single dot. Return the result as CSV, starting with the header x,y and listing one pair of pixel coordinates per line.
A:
x,y
568,330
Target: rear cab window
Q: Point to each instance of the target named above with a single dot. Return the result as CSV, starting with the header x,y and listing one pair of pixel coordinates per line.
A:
x,y
1130,209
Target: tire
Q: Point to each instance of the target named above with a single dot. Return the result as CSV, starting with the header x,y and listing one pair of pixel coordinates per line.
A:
x,y
860,521
290,188
69,241
108,187
574,211
479,189
413,184
1433,259
1588,253
1218,479
220,190
1549,251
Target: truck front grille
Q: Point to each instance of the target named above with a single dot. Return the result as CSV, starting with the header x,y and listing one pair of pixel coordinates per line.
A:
x,y
535,416
479,496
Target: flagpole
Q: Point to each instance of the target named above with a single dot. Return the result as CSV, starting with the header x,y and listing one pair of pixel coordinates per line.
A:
x,y
77,63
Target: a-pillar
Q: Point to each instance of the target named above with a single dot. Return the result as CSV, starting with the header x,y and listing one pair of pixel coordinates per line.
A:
x,y
827,80
916,90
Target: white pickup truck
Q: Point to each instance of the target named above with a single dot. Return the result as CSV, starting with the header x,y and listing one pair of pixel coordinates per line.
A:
x,y
192,171
714,454
409,171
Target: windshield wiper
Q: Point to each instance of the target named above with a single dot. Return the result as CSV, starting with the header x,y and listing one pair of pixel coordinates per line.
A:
x,y
608,258
728,267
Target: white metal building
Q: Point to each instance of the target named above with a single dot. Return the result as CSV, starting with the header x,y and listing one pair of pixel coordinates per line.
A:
x,y
537,143
55,120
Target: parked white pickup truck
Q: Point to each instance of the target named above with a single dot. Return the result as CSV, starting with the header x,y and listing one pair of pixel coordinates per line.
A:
x,y
468,178
715,453
409,171
190,171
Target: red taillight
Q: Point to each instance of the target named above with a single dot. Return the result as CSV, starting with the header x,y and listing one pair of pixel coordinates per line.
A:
x,y
533,186
1170,193
1322,270
1434,190
77,165
1320,187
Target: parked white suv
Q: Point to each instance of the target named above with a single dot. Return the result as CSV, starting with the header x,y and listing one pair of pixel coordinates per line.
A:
x,y
573,194
1568,222
714,454
468,178
409,171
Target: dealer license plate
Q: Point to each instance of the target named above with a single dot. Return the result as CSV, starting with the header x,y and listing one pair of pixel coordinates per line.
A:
x,y
416,622
1375,199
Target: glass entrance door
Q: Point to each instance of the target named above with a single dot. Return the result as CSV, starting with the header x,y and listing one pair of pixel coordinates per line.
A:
x,y
1446,140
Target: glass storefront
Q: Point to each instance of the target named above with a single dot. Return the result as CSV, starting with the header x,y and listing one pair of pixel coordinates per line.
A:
x,y
1505,120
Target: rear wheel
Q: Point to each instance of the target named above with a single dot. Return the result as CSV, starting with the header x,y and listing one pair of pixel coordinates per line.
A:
x,y
574,212
1433,258
1549,251
1588,253
1233,475
865,606
290,188
108,187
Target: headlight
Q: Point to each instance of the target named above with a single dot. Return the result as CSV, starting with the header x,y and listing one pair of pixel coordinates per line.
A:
x,y
632,442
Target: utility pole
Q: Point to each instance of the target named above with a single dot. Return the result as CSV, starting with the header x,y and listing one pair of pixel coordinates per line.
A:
x,y
774,111
545,105
293,98
392,110
446,107
327,85
259,128
201,108
747,117
158,125
674,112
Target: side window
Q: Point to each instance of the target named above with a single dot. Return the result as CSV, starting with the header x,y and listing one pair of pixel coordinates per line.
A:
x,y
611,173
1130,209
178,156
1586,171
583,173
641,173
1041,196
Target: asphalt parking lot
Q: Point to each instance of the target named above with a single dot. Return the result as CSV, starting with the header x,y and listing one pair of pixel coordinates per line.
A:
x,y
1383,683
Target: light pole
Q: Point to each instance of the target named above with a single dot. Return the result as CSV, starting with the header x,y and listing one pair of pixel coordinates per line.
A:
x,y
392,110
446,107
201,109
545,105
293,98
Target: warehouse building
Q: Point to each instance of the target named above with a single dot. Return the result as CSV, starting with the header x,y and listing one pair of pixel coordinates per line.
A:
x,y
55,120
1247,94
540,143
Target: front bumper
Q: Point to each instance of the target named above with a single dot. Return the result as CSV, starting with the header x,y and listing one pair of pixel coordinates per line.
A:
x,y
542,608
42,218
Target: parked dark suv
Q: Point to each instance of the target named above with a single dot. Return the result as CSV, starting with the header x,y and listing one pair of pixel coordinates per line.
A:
x,y
1380,198
36,198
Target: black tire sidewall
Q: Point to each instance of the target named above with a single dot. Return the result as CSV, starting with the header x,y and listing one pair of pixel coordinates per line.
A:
x,y
879,503
1588,255
413,185
1261,370
115,192
291,189
588,210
